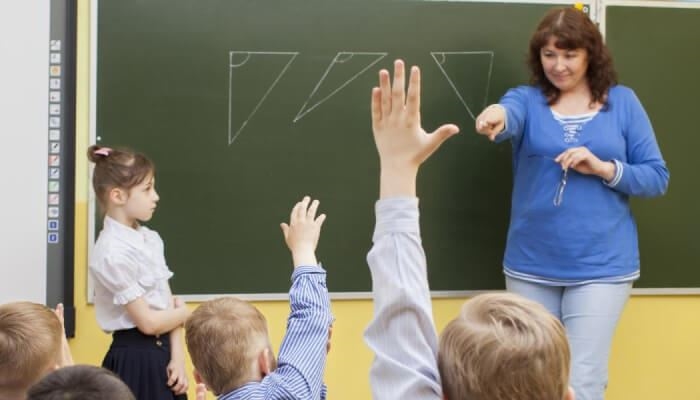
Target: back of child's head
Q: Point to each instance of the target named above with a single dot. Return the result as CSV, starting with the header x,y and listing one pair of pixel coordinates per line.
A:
x,y
224,338
30,344
117,168
80,382
503,346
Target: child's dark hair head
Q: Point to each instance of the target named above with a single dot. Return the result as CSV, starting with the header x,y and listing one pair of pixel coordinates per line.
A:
x,y
80,382
117,168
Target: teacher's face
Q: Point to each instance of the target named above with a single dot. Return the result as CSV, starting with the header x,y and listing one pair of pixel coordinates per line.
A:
x,y
565,68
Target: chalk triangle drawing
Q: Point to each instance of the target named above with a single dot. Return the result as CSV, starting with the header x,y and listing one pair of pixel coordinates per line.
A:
x,y
469,75
252,76
342,70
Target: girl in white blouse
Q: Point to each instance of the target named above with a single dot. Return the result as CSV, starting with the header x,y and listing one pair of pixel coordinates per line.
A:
x,y
132,296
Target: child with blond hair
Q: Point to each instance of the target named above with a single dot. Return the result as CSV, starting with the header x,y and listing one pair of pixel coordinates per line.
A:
x,y
228,341
32,344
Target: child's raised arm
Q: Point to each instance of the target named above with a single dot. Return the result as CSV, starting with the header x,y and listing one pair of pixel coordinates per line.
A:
x,y
303,231
401,141
302,356
66,354
402,333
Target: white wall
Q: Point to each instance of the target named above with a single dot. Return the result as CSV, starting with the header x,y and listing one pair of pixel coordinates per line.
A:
x,y
24,82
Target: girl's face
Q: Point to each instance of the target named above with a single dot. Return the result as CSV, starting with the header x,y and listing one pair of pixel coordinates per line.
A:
x,y
142,200
565,68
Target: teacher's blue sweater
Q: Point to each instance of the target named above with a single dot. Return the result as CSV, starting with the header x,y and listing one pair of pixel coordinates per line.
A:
x,y
592,235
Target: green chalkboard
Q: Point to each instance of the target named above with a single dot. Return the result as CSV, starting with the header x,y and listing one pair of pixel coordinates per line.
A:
x,y
657,54
246,105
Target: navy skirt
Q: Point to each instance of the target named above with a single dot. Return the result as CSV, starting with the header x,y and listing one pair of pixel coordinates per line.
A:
x,y
141,361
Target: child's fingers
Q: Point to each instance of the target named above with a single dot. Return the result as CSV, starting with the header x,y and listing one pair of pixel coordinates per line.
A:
x,y
376,107
172,377
413,100
398,94
385,89
293,214
320,219
181,386
311,212
59,311
304,205
176,386
285,229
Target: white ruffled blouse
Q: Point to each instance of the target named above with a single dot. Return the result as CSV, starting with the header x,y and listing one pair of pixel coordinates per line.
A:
x,y
126,264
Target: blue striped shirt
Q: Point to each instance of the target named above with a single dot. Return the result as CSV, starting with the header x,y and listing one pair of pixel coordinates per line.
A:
x,y
302,356
402,333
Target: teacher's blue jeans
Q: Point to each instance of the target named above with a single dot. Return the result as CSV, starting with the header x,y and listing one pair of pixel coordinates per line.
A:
x,y
590,314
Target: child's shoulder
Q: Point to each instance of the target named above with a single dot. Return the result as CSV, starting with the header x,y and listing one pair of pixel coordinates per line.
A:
x,y
109,247
113,244
151,237
146,231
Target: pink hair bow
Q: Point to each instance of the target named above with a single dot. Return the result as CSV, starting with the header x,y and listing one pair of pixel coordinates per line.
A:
x,y
104,151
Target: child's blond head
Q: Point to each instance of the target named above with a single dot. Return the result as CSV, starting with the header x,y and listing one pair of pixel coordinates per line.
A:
x,y
503,346
30,344
224,338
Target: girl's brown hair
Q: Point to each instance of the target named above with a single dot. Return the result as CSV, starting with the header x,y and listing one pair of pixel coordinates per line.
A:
x,y
572,30
117,168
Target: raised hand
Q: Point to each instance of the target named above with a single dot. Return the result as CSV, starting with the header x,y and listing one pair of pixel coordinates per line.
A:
x,y
66,355
303,231
401,141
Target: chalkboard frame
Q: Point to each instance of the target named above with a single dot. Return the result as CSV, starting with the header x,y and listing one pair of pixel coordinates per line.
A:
x,y
597,9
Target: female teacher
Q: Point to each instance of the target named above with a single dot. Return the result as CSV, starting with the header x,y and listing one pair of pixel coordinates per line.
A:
x,y
582,146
